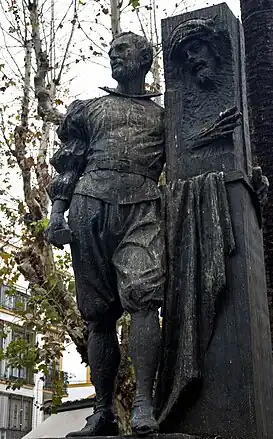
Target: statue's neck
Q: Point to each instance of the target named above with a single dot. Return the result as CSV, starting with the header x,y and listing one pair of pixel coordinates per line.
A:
x,y
135,86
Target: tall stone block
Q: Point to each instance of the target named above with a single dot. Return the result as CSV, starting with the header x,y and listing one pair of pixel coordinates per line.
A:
x,y
196,108
234,399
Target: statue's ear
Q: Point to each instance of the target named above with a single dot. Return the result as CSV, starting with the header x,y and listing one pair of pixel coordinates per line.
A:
x,y
145,58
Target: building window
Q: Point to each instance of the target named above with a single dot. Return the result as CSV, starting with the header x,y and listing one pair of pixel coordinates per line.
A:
x,y
15,372
20,411
16,415
14,333
4,410
13,299
2,347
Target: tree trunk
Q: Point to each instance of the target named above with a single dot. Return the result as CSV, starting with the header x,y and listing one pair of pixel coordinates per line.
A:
x,y
115,17
257,18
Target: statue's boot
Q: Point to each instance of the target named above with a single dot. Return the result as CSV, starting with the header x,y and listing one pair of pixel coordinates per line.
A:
x,y
101,423
145,348
143,421
104,358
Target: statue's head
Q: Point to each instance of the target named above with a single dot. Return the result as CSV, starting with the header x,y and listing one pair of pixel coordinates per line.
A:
x,y
193,46
130,55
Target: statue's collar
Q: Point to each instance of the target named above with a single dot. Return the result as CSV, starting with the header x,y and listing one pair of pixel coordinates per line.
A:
x,y
113,91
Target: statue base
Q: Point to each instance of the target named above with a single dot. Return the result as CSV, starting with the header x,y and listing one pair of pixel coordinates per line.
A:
x,y
156,436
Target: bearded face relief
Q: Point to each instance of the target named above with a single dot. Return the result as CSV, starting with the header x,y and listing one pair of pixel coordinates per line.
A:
x,y
199,61
194,51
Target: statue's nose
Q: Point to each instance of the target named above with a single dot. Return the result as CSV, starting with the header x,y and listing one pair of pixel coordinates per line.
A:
x,y
113,55
190,56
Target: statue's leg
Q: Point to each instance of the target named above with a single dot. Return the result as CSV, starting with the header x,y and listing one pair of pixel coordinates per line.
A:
x,y
140,265
104,359
145,348
99,305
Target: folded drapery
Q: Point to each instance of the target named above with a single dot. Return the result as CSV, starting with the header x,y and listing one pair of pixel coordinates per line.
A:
x,y
199,239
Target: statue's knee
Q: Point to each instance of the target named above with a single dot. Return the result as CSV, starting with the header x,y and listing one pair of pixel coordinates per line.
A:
x,y
102,325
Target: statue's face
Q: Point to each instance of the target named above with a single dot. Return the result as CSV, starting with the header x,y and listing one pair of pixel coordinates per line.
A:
x,y
199,61
125,59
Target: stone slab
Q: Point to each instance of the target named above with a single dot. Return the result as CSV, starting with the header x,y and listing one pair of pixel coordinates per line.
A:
x,y
235,400
154,436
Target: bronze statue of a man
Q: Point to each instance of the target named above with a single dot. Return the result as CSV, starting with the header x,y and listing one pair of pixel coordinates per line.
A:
x,y
109,163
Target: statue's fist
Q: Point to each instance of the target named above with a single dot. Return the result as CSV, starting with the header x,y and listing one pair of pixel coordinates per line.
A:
x,y
58,233
261,184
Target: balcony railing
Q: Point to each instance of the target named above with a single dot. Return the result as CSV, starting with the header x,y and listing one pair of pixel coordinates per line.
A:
x,y
26,379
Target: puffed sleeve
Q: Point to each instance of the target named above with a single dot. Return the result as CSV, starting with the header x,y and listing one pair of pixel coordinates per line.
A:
x,y
69,159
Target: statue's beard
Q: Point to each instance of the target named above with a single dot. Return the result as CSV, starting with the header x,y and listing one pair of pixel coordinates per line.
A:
x,y
205,78
123,73
118,73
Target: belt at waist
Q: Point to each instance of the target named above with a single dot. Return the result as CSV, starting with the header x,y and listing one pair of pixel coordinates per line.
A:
x,y
122,166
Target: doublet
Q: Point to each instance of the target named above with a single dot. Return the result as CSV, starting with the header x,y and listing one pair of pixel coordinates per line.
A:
x,y
108,166
112,149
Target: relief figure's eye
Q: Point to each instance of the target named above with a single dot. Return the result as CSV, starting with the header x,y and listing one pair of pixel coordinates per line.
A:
x,y
195,47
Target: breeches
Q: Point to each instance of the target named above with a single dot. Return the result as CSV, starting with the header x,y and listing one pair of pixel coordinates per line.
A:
x,y
118,256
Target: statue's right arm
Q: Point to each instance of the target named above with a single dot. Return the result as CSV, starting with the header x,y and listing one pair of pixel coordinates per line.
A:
x,y
68,161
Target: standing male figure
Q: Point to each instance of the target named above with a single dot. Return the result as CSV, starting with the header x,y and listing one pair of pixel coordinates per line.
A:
x,y
109,164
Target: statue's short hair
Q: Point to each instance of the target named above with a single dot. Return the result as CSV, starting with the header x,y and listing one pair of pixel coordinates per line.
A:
x,y
144,46
202,29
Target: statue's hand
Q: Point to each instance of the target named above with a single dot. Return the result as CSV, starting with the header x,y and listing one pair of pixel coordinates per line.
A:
x,y
58,233
223,126
261,184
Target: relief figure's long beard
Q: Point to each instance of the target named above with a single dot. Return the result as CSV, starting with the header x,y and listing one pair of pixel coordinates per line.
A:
x,y
206,78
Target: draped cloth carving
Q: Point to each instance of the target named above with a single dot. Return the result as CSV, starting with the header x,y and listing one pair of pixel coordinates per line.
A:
x,y
199,240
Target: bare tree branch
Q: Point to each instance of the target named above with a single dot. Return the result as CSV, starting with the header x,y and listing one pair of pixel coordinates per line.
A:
x,y
155,25
45,100
59,26
73,22
3,131
140,23
115,17
91,40
42,168
27,87
19,74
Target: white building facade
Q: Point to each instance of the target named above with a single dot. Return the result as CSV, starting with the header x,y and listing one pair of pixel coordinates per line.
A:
x,y
20,410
